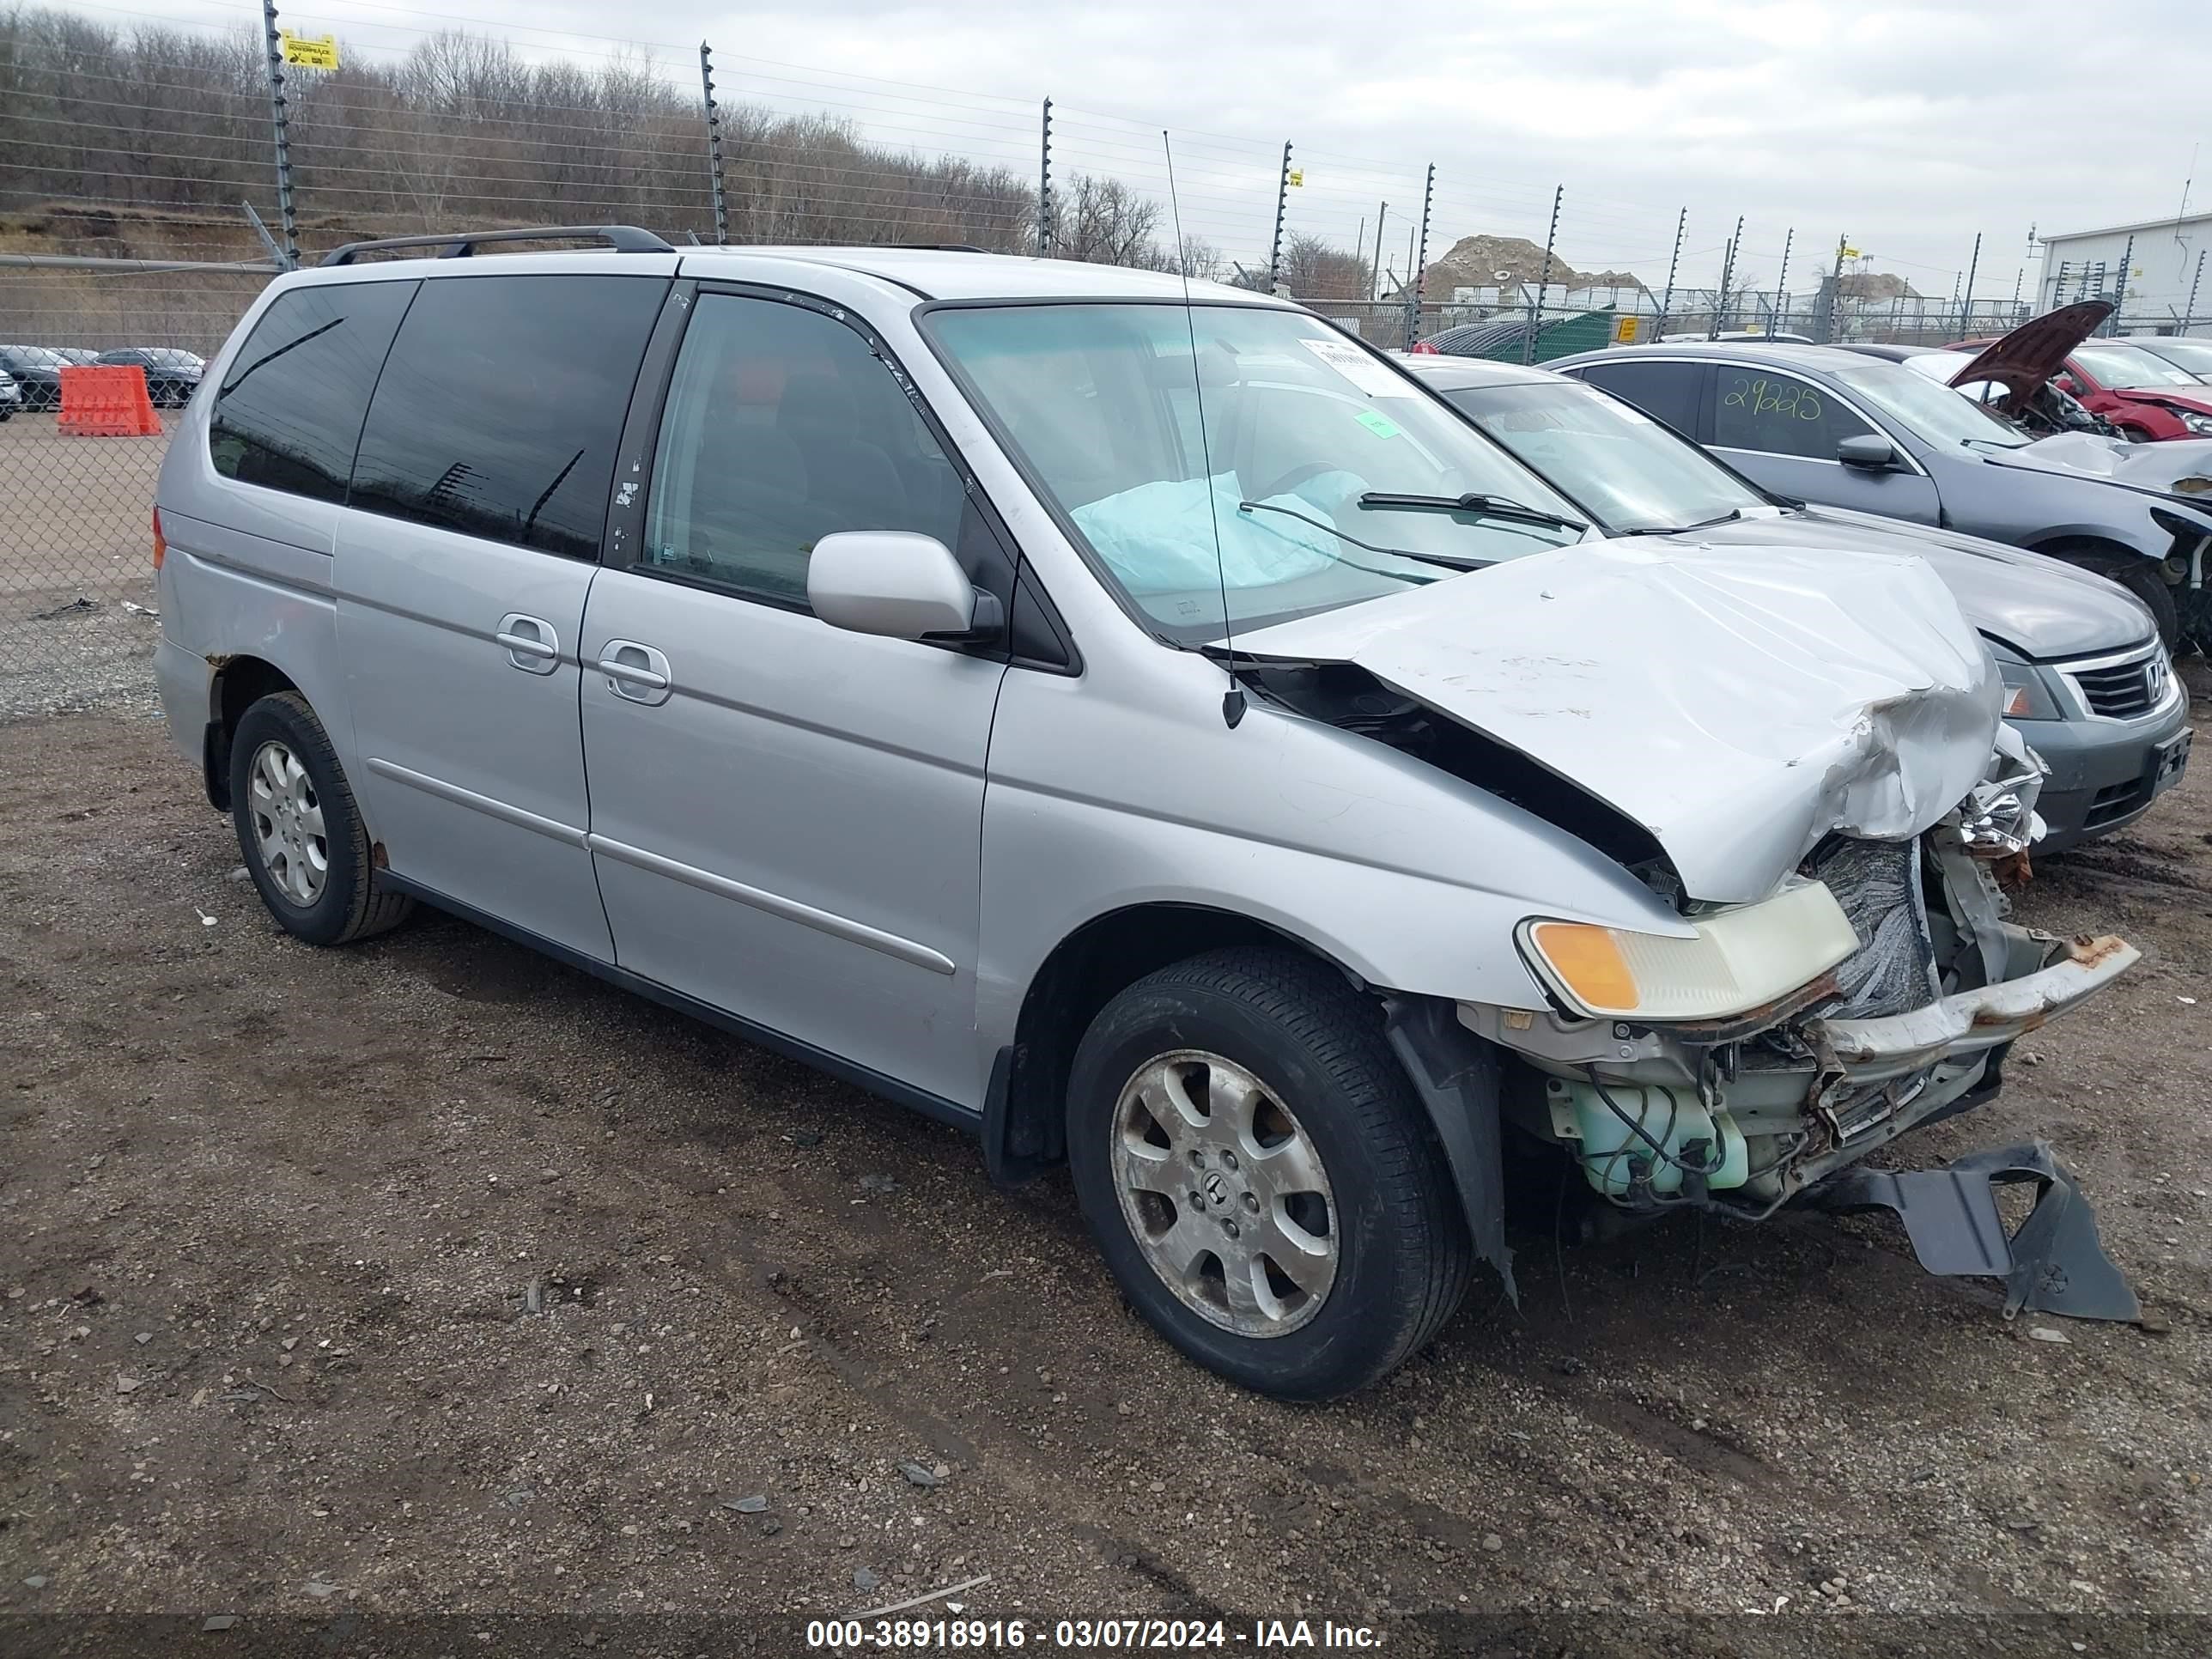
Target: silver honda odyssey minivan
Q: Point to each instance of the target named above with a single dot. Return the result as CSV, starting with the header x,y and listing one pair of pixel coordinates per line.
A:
x,y
1131,720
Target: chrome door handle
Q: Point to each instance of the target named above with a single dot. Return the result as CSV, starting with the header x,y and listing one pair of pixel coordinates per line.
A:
x,y
531,644
635,671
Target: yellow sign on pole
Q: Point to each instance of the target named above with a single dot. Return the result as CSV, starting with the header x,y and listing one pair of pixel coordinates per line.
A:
x,y
1626,329
1850,253
304,51
1296,177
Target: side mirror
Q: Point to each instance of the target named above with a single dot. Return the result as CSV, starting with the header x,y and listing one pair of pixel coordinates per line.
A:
x,y
899,585
1869,451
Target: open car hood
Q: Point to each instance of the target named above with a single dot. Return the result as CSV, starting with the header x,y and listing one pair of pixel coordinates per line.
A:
x,y
1739,703
2024,359
2182,466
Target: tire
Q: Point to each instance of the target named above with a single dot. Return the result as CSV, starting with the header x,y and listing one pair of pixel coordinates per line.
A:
x,y
298,829
1373,1189
2142,577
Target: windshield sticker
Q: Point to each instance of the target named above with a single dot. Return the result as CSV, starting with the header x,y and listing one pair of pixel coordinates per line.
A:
x,y
1356,366
1378,424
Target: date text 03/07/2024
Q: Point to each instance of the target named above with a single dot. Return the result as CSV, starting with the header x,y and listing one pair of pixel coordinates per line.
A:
x,y
1125,1635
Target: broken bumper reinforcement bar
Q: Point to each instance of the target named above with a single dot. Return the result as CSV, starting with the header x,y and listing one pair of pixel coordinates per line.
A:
x,y
1867,1049
2054,1263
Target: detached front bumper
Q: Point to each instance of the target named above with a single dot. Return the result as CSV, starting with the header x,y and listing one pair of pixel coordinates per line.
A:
x,y
1869,1050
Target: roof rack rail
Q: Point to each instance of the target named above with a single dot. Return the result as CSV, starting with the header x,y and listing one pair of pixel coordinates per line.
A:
x,y
937,247
623,239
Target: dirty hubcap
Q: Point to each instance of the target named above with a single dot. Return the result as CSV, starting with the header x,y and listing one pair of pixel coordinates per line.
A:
x,y
1224,1193
288,825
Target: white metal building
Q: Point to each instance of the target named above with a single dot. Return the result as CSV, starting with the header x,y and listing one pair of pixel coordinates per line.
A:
x,y
2163,258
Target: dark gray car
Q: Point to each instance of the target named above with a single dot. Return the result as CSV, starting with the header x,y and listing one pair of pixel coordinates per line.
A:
x,y
1827,425
2088,684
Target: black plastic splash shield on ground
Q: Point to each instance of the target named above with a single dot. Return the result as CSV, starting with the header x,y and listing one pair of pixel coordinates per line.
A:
x,y
2054,1264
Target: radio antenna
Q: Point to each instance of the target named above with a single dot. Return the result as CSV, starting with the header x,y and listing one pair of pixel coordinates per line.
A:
x,y
1233,701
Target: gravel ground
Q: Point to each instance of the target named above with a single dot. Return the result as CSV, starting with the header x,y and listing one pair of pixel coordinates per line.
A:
x,y
429,1276
76,583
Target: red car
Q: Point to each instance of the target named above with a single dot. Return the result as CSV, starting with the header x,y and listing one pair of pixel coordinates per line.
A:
x,y
2148,398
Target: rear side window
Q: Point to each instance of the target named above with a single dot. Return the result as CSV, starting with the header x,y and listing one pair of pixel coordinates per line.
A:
x,y
1665,392
289,413
502,403
1757,409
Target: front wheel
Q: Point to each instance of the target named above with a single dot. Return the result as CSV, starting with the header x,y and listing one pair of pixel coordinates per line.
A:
x,y
305,845
1261,1177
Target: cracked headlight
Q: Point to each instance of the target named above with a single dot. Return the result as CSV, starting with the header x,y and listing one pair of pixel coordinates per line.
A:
x,y
2200,424
1738,960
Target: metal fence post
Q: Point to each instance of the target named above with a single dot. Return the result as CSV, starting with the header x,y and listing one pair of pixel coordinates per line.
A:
x,y
1973,265
1420,261
2120,298
1832,325
1727,276
1044,185
714,146
273,55
1681,223
1282,211
2189,311
1544,281
1375,275
1781,283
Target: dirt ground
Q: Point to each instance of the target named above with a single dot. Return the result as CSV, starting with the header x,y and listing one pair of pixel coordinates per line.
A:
x,y
429,1276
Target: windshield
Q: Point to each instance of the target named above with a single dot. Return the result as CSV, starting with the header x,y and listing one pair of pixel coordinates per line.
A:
x,y
2128,368
1928,409
2194,356
1300,423
1609,455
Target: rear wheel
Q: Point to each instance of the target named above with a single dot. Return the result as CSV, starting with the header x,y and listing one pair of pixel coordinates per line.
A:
x,y
304,842
1259,1176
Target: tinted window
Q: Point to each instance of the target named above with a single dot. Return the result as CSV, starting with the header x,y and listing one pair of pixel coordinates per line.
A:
x,y
1666,391
782,427
500,405
289,410
1757,409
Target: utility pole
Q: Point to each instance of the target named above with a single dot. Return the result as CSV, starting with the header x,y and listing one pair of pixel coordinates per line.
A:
x,y
714,146
1044,187
1973,265
1681,224
1544,281
1781,283
274,54
1374,276
1419,261
1282,210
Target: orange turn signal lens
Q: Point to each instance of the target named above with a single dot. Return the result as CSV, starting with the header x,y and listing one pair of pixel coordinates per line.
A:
x,y
1588,962
161,547
2016,703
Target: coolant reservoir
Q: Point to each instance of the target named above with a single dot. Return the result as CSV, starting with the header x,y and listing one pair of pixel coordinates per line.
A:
x,y
1614,1154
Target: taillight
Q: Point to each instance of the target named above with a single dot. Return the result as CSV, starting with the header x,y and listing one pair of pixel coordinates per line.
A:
x,y
161,547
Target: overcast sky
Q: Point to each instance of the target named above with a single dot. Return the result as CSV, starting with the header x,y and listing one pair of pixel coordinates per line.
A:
x,y
1906,128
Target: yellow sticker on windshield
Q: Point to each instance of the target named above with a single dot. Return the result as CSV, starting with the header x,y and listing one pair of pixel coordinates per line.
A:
x,y
1377,425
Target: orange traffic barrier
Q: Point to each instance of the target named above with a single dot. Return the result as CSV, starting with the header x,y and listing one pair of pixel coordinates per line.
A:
x,y
107,402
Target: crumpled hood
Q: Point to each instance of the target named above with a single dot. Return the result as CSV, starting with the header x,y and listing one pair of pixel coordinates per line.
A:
x,y
1738,702
2180,466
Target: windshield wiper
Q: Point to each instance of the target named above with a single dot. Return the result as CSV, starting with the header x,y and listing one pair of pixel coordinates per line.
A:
x,y
1488,507
1729,517
1444,559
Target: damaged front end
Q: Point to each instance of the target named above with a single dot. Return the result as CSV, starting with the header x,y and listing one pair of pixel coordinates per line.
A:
x,y
1909,1025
